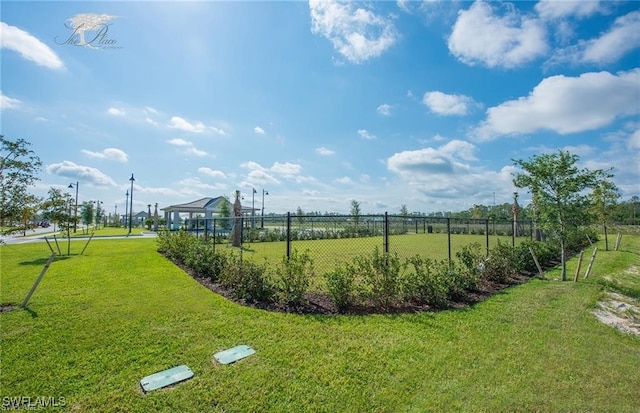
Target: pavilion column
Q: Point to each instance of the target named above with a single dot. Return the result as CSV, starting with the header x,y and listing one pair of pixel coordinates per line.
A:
x,y
176,220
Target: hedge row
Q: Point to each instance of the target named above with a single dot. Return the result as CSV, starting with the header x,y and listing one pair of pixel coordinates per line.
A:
x,y
379,279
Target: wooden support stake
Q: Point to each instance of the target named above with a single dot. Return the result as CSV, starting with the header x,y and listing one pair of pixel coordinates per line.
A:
x,y
535,259
50,247
35,284
593,257
618,239
87,244
590,242
57,245
575,279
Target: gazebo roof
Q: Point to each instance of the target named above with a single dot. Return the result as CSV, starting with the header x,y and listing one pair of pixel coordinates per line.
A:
x,y
199,205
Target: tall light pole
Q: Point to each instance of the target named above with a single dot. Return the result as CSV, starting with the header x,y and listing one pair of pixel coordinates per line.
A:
x,y
75,214
262,214
131,204
126,209
253,207
115,214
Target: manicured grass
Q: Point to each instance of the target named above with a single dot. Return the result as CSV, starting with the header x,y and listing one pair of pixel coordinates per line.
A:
x,y
327,252
100,322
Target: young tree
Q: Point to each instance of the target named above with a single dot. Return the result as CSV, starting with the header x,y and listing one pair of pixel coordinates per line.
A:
x,y
605,197
18,168
87,212
300,216
558,187
54,207
355,211
28,208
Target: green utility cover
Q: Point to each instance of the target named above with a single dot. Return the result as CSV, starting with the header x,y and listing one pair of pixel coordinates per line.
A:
x,y
233,354
166,378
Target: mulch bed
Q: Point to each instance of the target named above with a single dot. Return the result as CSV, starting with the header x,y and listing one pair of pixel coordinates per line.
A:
x,y
320,304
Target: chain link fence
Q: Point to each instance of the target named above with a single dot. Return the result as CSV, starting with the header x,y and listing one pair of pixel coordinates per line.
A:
x,y
333,239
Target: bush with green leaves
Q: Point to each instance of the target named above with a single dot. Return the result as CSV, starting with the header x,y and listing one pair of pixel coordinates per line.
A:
x,y
247,280
426,281
341,285
380,275
175,245
293,277
498,266
470,265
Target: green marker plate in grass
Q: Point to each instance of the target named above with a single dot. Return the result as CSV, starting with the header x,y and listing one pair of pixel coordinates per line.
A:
x,y
166,378
233,354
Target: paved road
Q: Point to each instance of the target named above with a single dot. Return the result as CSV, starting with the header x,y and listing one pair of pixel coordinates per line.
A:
x,y
38,234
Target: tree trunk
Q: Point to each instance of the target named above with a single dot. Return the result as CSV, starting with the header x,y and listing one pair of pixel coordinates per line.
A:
x,y
563,256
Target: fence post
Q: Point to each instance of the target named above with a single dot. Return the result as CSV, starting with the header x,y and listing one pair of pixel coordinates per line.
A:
x,y
385,233
288,235
214,235
486,231
449,238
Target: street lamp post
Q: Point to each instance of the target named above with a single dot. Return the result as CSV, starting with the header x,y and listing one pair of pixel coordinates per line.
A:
x,y
75,214
262,213
131,204
155,218
149,217
126,210
253,209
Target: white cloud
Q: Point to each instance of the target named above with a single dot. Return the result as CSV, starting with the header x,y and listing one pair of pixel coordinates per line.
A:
x,y
384,109
112,154
82,173
8,103
364,134
257,176
634,140
212,173
324,151
554,9
446,172
623,37
189,147
28,46
345,180
151,121
197,183
356,33
115,112
286,169
565,105
444,104
258,130
177,122
481,36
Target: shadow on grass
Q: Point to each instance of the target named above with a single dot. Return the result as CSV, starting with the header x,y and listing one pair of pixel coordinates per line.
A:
x,y
42,261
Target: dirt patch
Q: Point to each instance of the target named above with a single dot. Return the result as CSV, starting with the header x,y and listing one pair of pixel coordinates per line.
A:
x,y
5,308
620,312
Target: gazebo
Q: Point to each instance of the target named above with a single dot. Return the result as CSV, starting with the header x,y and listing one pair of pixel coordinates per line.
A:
x,y
208,207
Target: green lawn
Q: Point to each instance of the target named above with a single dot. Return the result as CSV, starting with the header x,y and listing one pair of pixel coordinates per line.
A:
x,y
327,252
100,322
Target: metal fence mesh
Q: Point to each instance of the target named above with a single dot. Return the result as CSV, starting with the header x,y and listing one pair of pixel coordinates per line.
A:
x,y
334,239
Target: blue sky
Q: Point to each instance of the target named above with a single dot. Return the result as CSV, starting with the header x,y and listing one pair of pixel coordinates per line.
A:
x,y
320,102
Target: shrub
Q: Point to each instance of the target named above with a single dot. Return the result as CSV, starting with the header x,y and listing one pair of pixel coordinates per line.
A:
x,y
247,280
469,270
497,266
293,277
380,275
340,285
424,282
